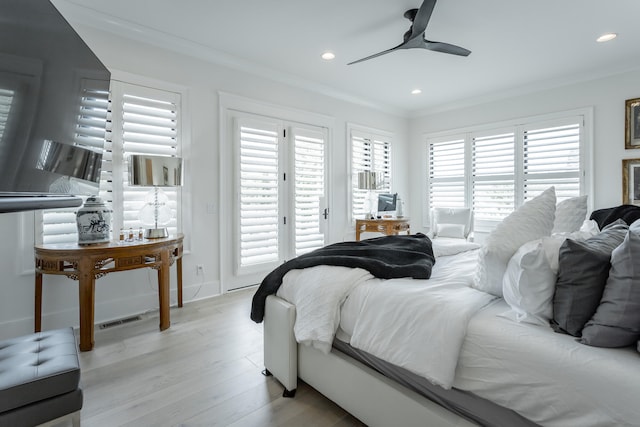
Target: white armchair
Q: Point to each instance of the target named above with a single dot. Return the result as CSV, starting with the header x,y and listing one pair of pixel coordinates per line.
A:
x,y
452,223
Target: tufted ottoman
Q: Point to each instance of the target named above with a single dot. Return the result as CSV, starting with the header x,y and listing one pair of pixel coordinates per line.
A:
x,y
39,379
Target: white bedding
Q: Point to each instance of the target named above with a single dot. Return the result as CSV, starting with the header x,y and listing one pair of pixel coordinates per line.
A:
x,y
318,292
418,325
548,377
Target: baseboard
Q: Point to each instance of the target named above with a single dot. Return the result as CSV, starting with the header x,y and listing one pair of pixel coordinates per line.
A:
x,y
111,310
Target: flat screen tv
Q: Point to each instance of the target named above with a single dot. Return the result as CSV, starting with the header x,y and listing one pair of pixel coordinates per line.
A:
x,y
53,106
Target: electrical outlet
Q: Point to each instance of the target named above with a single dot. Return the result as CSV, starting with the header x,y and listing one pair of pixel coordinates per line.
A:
x,y
199,269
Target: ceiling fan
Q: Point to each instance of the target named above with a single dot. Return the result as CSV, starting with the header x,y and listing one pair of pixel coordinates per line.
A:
x,y
414,38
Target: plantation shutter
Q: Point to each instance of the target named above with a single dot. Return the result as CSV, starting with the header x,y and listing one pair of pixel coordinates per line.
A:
x,y
140,120
447,173
6,99
552,157
258,204
145,121
309,189
59,225
369,152
493,176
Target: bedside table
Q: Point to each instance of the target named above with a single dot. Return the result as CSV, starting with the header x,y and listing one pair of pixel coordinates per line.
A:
x,y
386,226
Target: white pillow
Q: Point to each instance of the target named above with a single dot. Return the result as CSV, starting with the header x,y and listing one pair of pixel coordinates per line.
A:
x,y
531,221
570,214
528,285
450,230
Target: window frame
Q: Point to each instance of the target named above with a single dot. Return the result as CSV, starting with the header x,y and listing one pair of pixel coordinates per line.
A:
x,y
371,134
518,125
229,105
185,148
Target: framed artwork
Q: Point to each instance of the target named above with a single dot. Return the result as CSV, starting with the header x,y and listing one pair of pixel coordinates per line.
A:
x,y
631,182
632,123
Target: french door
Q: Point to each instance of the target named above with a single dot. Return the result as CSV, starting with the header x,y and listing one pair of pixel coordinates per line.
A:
x,y
280,191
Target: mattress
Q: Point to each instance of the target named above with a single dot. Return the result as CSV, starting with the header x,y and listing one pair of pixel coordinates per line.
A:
x,y
465,404
546,377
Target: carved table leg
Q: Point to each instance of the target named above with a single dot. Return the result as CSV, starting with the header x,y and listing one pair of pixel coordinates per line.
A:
x,y
87,288
163,290
179,272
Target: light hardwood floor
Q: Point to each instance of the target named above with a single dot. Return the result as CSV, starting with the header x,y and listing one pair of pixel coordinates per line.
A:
x,y
203,371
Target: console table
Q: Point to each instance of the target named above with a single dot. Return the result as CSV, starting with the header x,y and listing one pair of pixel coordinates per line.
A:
x,y
387,226
89,262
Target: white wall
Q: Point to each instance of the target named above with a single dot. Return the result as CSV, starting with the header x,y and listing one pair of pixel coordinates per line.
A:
x,y
121,294
606,96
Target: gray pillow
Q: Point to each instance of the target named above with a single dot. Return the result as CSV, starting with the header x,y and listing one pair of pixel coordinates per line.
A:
x,y
583,270
616,322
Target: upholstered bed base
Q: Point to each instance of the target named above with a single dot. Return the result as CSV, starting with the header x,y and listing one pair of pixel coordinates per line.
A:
x,y
349,383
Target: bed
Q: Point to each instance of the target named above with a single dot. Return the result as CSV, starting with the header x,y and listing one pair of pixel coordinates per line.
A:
x,y
446,351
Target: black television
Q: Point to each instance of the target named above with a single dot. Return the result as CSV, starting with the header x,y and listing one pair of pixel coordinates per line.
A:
x,y
53,99
387,202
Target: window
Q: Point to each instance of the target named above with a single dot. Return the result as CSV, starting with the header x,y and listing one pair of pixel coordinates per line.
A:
x,y
281,207
496,170
141,121
493,175
6,101
447,173
370,151
59,225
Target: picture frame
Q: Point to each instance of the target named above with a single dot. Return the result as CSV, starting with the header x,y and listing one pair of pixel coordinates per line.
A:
x,y
632,124
631,182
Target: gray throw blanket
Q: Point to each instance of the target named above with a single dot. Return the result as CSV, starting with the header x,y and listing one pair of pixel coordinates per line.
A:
x,y
387,257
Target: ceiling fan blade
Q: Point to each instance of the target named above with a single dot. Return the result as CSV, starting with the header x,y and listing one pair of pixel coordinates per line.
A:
x,y
375,55
446,48
422,18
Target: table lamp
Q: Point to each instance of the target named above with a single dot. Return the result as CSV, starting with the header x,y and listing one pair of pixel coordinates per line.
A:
x,y
368,180
156,172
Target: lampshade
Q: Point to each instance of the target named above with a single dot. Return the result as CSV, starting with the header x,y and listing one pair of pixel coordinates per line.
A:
x,y
155,171
367,180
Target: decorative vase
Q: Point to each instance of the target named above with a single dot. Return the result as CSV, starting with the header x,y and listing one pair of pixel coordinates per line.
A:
x,y
399,208
94,222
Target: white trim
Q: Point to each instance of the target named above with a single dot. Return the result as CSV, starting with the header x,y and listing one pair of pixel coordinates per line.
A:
x,y
228,106
367,131
518,124
185,142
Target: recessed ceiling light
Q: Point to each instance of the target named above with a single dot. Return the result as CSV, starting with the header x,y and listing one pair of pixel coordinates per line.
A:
x,y
416,92
606,37
328,56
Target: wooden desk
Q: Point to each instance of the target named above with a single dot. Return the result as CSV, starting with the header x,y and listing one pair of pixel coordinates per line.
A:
x,y
385,226
89,262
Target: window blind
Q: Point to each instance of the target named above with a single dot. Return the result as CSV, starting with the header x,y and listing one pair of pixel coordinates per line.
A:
x,y
59,225
6,100
280,188
309,189
493,175
369,152
508,166
147,124
259,209
552,157
447,173
140,120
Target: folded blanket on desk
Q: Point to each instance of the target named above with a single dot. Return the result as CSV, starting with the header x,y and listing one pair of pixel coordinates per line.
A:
x,y
387,257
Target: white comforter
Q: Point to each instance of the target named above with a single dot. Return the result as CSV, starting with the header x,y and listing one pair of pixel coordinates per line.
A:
x,y
417,324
